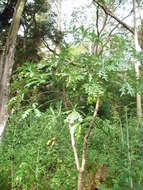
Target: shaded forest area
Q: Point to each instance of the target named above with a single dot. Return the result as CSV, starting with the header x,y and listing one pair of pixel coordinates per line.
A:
x,y
71,88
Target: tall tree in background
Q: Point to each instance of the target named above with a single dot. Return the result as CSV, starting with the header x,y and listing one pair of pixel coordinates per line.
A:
x,y
58,45
137,63
6,63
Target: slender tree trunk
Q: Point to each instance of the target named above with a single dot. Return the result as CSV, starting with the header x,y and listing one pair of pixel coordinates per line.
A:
x,y
6,64
80,180
137,64
58,45
138,95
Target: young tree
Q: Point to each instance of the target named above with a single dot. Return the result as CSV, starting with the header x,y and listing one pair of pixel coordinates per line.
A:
x,y
6,64
97,49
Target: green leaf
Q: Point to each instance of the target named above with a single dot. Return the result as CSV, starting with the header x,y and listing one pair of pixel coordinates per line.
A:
x,y
74,117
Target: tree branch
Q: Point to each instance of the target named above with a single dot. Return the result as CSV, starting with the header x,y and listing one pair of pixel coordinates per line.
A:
x,y
104,24
108,12
47,46
108,38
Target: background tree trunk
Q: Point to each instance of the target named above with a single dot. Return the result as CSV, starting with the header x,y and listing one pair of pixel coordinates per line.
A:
x,y
59,22
137,64
6,64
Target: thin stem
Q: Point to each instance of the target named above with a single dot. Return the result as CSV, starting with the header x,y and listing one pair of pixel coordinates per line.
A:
x,y
74,146
129,154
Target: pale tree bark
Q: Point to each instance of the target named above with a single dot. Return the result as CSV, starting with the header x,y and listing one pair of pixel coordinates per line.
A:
x,y
137,64
80,180
6,64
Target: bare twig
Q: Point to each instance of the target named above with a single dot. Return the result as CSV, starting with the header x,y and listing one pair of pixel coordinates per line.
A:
x,y
104,24
47,46
108,38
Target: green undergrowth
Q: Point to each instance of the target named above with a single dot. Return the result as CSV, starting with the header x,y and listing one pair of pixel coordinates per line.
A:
x,y
36,153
